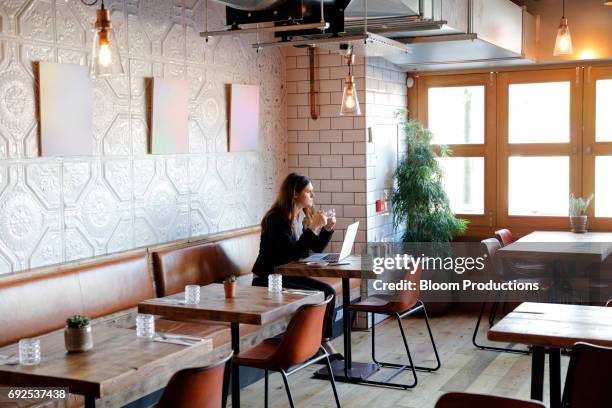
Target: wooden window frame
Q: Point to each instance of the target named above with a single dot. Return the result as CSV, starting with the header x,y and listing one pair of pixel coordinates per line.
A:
x,y
486,150
592,148
506,150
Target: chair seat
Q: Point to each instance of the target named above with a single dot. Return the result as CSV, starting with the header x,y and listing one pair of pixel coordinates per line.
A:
x,y
380,304
260,355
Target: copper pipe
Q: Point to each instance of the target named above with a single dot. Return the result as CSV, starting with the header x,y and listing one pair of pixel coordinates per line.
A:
x,y
313,92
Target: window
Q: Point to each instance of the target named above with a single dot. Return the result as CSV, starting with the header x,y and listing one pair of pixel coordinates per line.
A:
x,y
464,183
597,144
538,186
456,114
522,141
539,112
454,108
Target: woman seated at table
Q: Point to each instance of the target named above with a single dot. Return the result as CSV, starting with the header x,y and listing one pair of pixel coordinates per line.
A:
x,y
291,228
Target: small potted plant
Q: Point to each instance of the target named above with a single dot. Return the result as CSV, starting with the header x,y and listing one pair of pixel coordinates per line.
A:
x,y
229,285
578,208
77,334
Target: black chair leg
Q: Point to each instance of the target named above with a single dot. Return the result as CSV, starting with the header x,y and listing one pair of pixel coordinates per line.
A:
x,y
420,306
266,386
491,348
332,380
291,404
433,343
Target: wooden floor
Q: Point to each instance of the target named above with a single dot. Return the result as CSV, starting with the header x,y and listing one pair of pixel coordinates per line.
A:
x,y
464,368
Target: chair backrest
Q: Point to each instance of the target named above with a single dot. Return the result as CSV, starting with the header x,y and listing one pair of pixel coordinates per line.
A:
x,y
609,303
201,387
405,299
302,339
504,236
588,380
492,245
465,400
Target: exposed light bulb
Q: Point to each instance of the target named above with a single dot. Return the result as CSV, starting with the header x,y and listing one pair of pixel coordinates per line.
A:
x,y
105,57
105,60
349,102
563,42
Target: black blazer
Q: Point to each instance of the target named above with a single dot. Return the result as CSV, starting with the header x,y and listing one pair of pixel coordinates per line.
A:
x,y
278,245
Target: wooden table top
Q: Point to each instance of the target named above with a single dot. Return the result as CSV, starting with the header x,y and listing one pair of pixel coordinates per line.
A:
x,y
592,246
358,267
555,325
252,305
117,361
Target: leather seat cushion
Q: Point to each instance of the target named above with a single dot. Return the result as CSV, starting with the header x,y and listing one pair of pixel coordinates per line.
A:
x,y
260,355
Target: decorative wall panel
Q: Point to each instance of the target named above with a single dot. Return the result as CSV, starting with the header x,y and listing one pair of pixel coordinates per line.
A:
x,y
53,211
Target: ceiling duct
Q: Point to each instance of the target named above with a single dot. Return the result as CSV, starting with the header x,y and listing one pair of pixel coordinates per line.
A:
x,y
413,34
252,5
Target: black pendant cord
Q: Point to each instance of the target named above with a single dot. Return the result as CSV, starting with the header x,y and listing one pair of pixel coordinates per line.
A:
x,y
563,16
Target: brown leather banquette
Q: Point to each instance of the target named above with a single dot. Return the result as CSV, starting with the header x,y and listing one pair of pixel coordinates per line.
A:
x,y
38,301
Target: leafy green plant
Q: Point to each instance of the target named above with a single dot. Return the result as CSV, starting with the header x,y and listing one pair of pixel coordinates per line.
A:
x,y
578,206
231,279
77,321
419,201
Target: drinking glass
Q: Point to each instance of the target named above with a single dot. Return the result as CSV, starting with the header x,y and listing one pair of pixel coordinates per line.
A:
x,y
145,325
331,212
192,294
275,283
29,351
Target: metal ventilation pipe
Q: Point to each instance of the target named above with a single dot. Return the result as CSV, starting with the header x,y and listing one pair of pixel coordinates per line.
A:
x,y
251,5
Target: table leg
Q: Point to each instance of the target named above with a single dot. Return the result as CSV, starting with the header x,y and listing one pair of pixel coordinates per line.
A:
x,y
90,402
537,373
346,370
554,361
346,325
235,333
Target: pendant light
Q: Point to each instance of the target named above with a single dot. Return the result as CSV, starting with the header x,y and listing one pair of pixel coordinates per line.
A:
x,y
105,59
563,43
350,101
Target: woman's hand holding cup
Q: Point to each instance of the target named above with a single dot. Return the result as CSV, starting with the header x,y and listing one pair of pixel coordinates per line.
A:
x,y
318,221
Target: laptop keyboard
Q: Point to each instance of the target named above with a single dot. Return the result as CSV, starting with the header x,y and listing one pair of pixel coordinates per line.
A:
x,y
331,258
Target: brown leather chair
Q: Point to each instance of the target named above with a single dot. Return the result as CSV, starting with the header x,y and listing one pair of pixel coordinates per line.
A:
x,y
203,387
465,400
588,377
401,304
504,236
298,346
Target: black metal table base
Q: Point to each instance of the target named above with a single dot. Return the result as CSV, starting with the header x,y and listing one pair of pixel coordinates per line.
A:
x,y
537,374
357,372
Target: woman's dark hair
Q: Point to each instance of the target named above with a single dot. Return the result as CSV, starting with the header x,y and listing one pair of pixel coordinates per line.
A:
x,y
293,185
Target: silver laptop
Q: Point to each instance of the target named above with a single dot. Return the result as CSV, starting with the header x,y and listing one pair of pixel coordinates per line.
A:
x,y
347,247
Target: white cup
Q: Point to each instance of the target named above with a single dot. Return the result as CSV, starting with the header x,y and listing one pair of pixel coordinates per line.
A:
x,y
275,283
145,326
29,351
192,294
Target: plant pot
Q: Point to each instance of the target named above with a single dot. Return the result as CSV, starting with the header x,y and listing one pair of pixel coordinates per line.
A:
x,y
78,340
579,223
230,289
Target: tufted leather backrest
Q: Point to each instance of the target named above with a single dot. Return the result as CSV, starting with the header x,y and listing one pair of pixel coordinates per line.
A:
x,y
207,261
33,303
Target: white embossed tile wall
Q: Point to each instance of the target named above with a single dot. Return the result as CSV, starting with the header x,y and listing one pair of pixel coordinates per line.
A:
x,y
56,210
